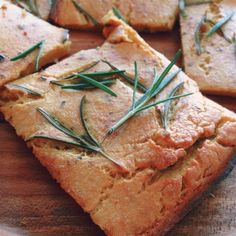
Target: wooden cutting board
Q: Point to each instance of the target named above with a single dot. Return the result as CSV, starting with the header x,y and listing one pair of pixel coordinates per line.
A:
x,y
31,200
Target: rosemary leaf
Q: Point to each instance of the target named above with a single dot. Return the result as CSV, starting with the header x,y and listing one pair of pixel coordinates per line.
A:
x,y
219,24
126,77
102,73
182,8
81,10
38,46
71,77
118,14
197,32
97,84
142,103
84,86
2,57
135,83
92,138
27,90
165,114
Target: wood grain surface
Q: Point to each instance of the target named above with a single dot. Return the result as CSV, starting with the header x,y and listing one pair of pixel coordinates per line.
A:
x,y
32,201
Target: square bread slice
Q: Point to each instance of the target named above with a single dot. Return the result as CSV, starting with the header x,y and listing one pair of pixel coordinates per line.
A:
x,y
143,15
214,69
162,170
19,31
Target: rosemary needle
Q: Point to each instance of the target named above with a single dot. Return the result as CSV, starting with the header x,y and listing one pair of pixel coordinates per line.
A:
x,y
27,90
142,103
118,14
81,10
126,77
38,46
2,57
219,24
165,114
182,8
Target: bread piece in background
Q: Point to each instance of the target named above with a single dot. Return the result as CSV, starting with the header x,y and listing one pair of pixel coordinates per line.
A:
x,y
143,15
19,31
214,69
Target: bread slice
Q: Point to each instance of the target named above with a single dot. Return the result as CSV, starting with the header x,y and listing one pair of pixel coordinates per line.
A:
x,y
143,15
20,31
215,68
163,170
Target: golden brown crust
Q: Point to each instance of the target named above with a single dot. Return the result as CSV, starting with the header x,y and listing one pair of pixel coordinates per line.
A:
x,y
143,15
18,32
167,168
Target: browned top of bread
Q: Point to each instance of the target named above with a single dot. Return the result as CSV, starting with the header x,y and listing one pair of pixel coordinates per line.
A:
x,y
147,15
215,68
166,168
18,32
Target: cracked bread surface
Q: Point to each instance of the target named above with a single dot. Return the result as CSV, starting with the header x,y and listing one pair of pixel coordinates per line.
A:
x,y
167,168
20,31
143,15
215,68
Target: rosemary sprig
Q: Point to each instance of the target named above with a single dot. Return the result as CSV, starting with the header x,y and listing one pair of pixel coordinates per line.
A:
x,y
38,46
126,77
118,14
142,103
165,114
195,2
182,8
29,5
27,90
86,141
219,24
81,10
2,57
197,33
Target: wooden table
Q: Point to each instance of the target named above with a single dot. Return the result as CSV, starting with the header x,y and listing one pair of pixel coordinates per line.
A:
x,y
31,200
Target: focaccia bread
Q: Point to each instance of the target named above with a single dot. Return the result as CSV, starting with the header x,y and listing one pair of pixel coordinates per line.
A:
x,y
19,31
143,15
214,68
156,172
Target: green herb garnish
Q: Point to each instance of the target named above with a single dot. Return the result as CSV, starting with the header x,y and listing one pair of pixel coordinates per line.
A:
x,y
219,24
182,8
2,57
142,103
27,90
197,33
29,5
165,114
126,77
81,10
118,14
38,46
86,141
85,86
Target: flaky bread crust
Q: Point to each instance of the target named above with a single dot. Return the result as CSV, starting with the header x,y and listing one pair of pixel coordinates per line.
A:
x,y
19,31
152,16
166,169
